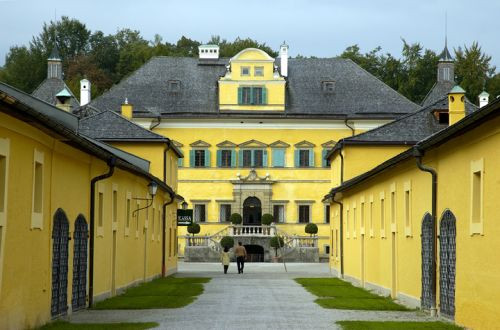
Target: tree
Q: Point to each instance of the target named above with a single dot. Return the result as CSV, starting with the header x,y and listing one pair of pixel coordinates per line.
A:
x,y
493,86
277,242
229,49
194,228
84,66
472,69
104,52
235,219
227,242
24,68
311,229
267,219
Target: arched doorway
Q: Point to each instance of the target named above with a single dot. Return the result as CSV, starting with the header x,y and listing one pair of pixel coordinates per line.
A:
x,y
252,211
60,237
255,253
427,262
447,262
80,263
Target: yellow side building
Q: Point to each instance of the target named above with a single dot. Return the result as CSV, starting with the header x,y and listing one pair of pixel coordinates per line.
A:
x,y
401,236
62,196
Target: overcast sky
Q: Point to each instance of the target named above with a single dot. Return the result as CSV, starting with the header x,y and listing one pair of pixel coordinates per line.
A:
x,y
316,27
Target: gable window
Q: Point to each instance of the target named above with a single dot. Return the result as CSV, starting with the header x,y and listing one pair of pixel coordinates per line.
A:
x,y
304,213
259,71
226,158
279,213
304,157
225,212
328,86
245,70
253,158
199,213
324,161
174,86
199,158
252,95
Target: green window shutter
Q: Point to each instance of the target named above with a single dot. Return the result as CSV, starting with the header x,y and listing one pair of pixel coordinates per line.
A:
x,y
251,97
264,158
240,158
180,162
264,95
252,158
191,158
323,155
219,158
233,158
311,158
296,158
207,158
240,95
278,157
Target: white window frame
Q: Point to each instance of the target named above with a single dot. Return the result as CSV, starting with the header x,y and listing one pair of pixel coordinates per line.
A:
x,y
153,226
383,214
477,227
220,211
100,212
370,202
347,234
128,213
354,214
247,68
407,209
37,217
258,68
195,213
393,209
284,212
4,152
362,215
299,204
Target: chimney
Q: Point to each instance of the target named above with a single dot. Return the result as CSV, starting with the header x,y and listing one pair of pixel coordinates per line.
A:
x,y
284,59
127,109
484,99
456,104
84,92
208,52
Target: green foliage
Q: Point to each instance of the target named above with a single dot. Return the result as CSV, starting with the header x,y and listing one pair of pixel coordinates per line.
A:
x,y
275,243
229,49
236,219
311,228
227,242
267,219
396,325
194,228
493,86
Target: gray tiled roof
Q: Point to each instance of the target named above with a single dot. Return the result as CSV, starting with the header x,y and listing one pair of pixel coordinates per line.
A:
x,y
408,129
357,93
440,89
48,90
111,126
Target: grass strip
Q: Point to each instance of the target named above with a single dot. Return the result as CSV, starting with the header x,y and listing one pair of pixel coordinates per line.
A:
x,y
63,325
144,302
389,325
370,304
321,282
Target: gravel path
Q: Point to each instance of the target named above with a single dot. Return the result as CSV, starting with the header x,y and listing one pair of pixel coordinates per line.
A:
x,y
264,297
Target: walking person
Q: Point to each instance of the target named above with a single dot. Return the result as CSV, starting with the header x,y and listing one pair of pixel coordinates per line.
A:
x,y
241,255
225,259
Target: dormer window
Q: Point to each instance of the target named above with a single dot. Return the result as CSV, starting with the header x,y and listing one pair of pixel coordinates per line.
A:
x,y
259,71
328,86
245,70
442,116
174,86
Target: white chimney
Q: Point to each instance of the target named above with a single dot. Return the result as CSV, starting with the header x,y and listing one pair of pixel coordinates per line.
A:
x,y
484,99
284,59
208,52
84,92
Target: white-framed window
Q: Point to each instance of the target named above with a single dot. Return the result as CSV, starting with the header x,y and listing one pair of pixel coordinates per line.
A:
x,y
279,213
407,209
382,214
327,213
370,215
100,210
354,214
37,204
347,231
393,207
258,71
304,211
4,185
200,214
245,71
326,249
114,207
362,216
224,212
153,223
137,214
159,225
128,212
476,197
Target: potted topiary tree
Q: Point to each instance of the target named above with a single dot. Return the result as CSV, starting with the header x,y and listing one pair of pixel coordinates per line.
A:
x,y
267,219
236,220
311,229
227,242
277,242
193,229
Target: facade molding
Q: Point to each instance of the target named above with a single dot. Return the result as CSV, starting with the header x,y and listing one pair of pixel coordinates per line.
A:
x,y
200,144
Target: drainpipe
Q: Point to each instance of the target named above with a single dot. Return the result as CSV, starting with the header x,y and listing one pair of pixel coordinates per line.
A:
x,y
163,238
418,156
165,151
341,236
111,165
341,162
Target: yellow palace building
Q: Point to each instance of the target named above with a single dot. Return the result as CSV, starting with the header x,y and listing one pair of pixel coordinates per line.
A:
x,y
254,131
80,220
420,225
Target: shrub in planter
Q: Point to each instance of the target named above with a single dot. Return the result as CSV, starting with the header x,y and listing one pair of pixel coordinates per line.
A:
x,y
236,219
194,228
277,244
267,219
227,242
311,228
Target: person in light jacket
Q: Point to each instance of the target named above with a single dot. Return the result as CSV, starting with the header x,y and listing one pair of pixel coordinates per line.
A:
x,y
225,259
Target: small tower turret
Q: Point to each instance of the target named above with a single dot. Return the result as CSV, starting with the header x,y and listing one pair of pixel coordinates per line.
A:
x,y
446,65
84,92
284,59
54,65
456,104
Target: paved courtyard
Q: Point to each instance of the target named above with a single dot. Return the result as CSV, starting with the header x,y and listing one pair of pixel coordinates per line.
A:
x,y
264,297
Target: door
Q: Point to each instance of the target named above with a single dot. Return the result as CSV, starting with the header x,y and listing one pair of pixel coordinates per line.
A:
x,y
60,235
447,262
80,237
427,262
252,211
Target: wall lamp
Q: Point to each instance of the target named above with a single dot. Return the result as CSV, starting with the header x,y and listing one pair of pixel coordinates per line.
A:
x,y
152,188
